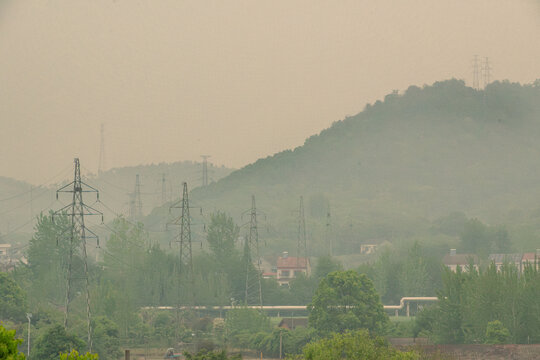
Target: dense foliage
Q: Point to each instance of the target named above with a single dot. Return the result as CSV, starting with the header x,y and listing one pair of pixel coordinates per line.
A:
x,y
489,306
12,299
54,341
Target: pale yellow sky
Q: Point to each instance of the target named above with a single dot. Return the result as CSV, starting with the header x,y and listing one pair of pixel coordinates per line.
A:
x,y
238,80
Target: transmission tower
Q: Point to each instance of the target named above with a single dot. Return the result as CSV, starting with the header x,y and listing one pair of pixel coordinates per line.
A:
x,y
329,238
185,268
301,249
253,289
163,190
78,232
486,71
476,73
135,208
101,166
205,170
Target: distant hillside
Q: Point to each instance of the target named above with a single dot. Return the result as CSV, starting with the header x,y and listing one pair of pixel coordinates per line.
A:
x,y
403,161
20,202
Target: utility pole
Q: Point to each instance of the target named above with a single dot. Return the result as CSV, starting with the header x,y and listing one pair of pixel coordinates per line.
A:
x,y
476,73
301,248
205,170
78,232
486,71
253,289
135,208
101,165
29,317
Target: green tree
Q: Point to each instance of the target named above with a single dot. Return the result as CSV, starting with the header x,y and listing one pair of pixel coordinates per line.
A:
x,y
53,341
414,276
47,258
106,338
8,345
346,300
354,345
12,299
228,266
124,280
222,234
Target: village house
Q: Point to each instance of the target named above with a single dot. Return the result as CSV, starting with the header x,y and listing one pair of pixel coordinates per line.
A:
x,y
500,259
531,258
453,260
4,250
292,323
368,249
289,267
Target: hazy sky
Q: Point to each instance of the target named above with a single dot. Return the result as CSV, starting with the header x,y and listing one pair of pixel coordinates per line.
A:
x,y
238,80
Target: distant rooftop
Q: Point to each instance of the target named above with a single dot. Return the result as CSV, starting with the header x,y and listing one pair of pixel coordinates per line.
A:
x,y
290,262
501,258
460,259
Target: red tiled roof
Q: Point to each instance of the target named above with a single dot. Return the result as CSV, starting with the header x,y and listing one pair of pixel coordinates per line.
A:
x,y
529,257
291,262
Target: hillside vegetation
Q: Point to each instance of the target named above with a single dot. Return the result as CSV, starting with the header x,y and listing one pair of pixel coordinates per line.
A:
x,y
391,170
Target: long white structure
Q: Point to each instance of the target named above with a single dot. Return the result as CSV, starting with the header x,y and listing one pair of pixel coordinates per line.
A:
x,y
405,301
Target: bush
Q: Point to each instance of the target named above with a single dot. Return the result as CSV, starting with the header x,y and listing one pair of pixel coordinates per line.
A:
x,y
354,345
496,333
74,355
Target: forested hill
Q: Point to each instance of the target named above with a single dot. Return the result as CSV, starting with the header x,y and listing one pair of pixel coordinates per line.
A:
x,y
421,154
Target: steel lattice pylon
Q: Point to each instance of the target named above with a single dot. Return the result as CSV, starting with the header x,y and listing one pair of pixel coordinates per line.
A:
x,y
185,266
78,231
301,248
253,289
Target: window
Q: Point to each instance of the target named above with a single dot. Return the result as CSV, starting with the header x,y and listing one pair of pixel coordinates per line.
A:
x,y
285,273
